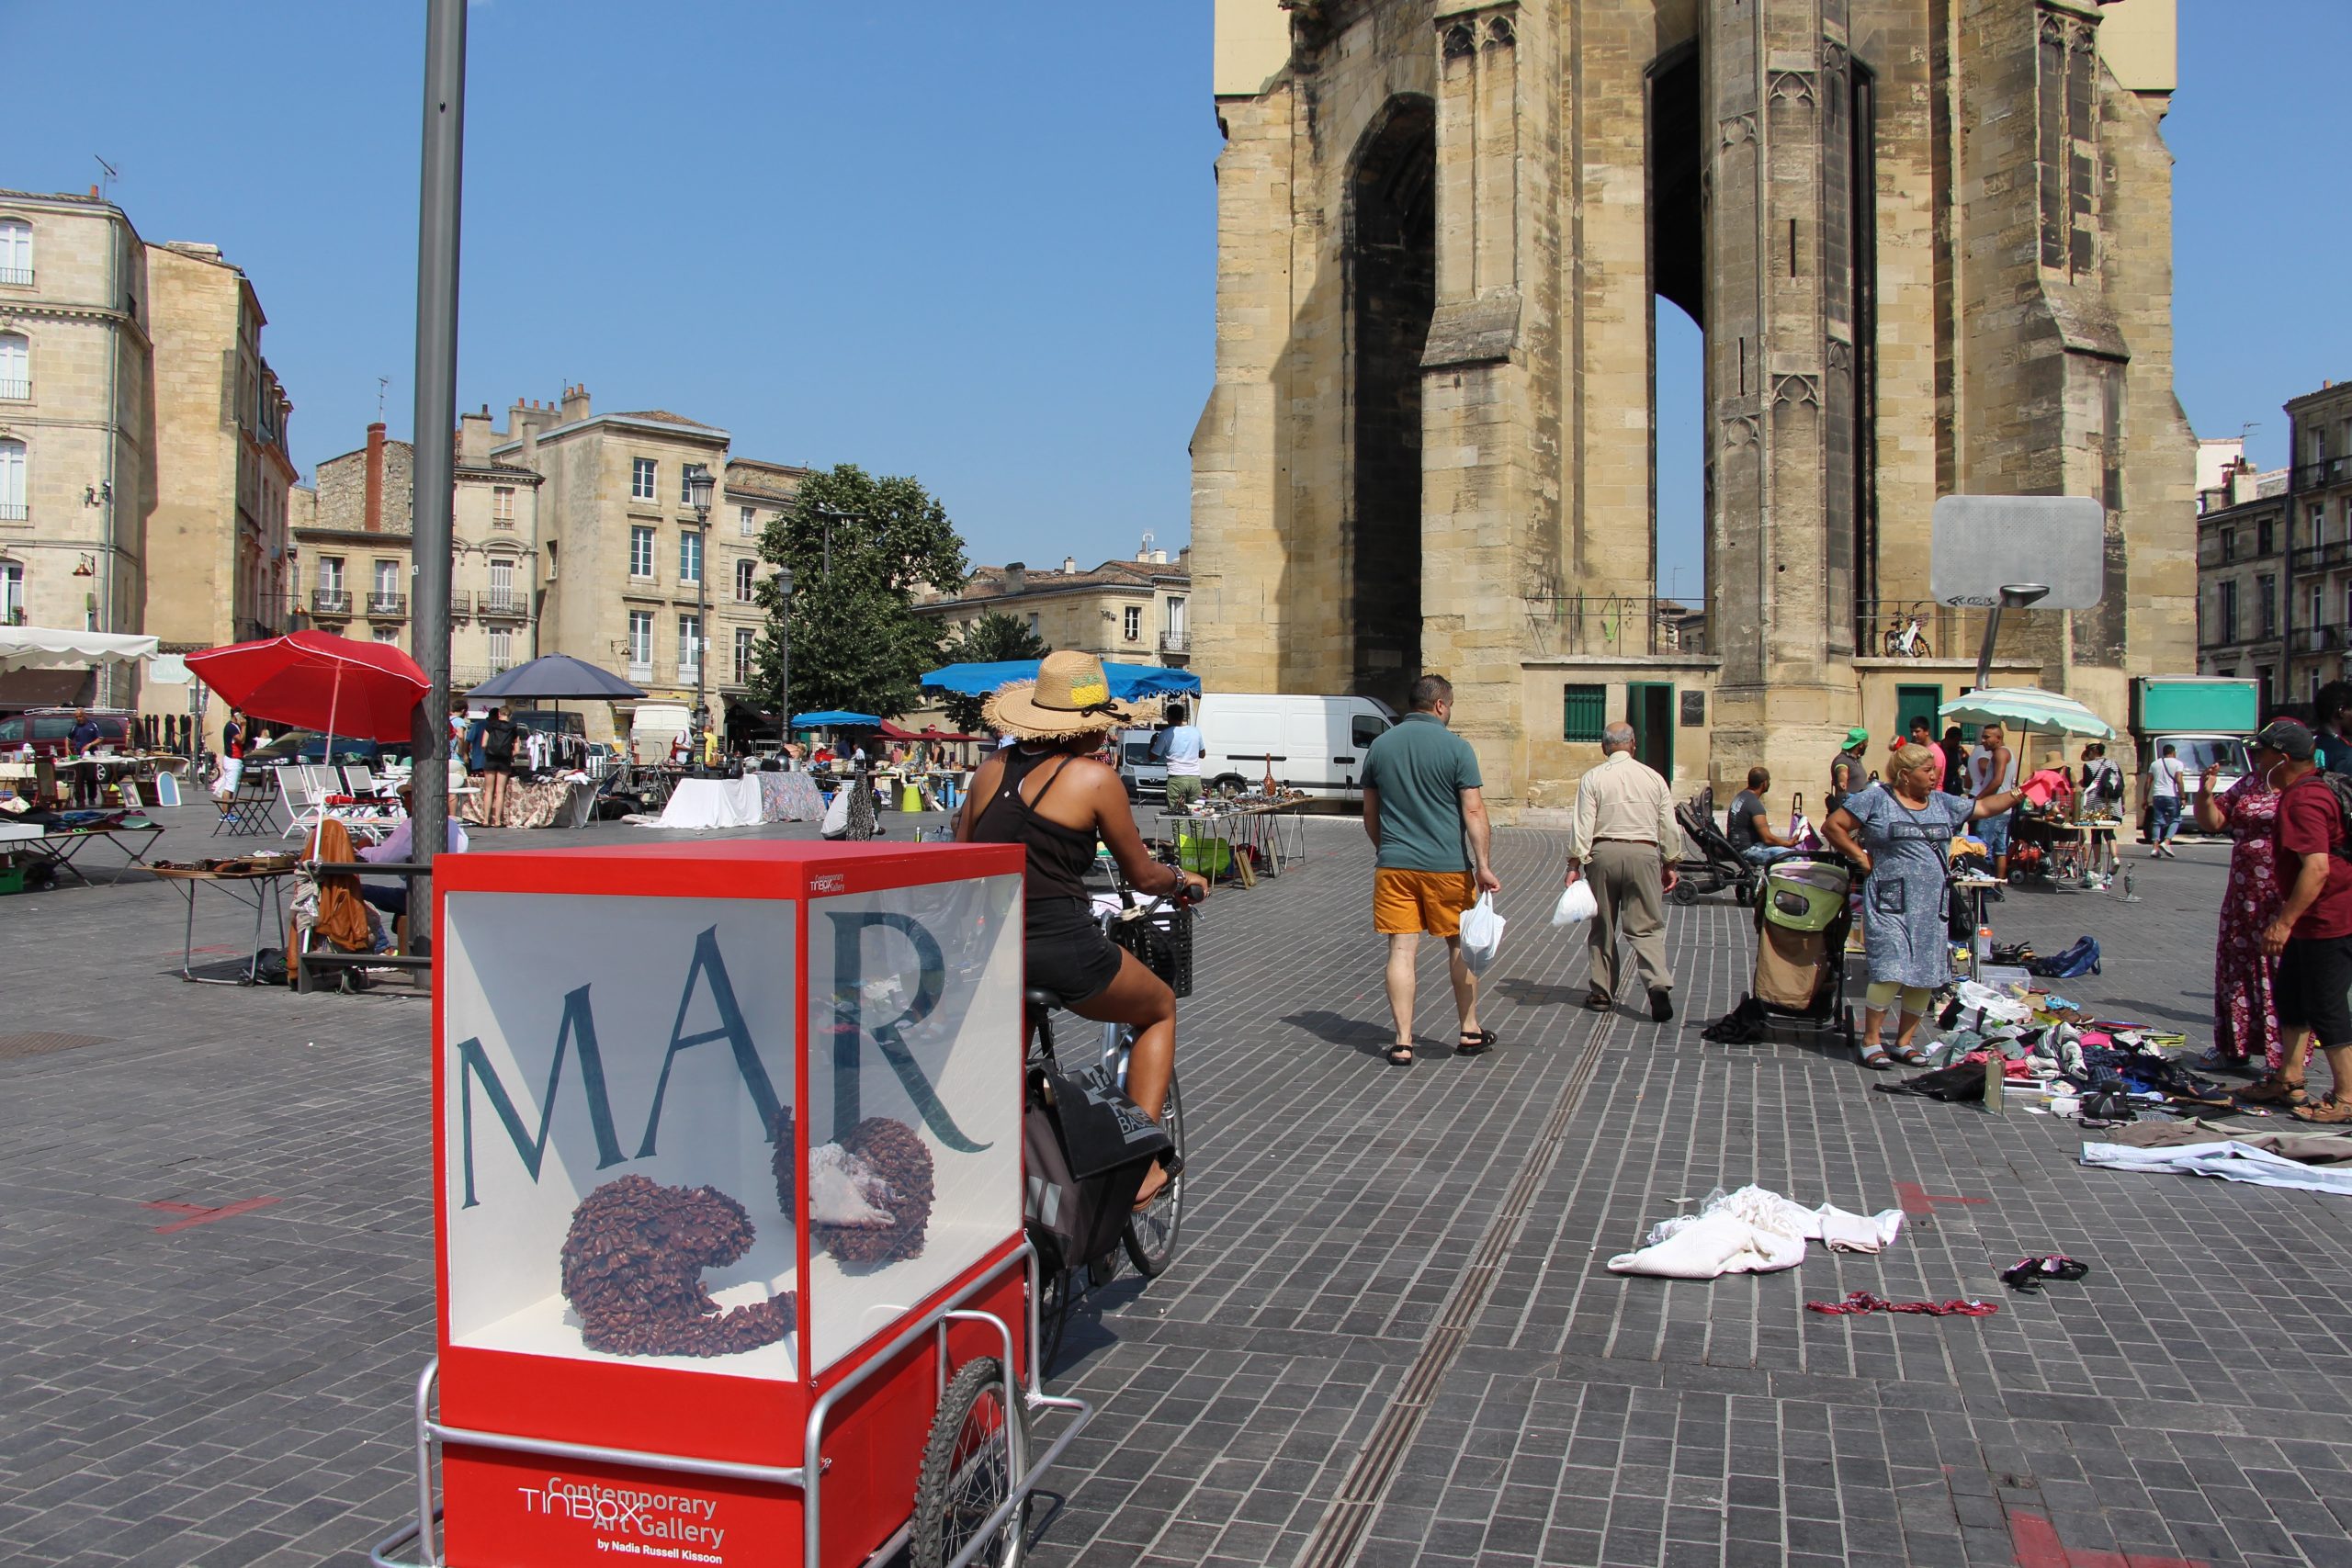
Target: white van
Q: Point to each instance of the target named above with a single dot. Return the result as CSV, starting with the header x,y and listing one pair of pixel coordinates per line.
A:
x,y
1315,744
654,726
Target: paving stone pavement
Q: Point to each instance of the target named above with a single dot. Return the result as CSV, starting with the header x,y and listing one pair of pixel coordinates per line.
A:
x,y
1389,1330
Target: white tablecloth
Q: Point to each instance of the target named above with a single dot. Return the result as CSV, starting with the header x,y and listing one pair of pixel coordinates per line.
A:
x,y
713,803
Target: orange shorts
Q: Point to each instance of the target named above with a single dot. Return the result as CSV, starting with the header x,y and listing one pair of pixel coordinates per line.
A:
x,y
1431,901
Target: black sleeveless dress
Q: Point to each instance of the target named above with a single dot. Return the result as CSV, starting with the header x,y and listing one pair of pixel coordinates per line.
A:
x,y
1066,952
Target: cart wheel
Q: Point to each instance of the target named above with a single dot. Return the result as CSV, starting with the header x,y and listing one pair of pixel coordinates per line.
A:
x,y
1742,894
967,1472
1150,1234
1685,891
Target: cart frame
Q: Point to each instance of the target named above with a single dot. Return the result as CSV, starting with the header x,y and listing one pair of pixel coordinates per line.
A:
x,y
807,1476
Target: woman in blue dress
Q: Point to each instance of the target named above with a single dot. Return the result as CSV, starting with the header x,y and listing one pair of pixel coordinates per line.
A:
x,y
1900,833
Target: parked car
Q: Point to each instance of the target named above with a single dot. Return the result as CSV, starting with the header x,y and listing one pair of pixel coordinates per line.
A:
x,y
310,746
2197,754
1145,775
49,730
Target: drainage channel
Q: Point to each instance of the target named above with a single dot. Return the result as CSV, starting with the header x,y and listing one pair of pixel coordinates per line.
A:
x,y
1339,1532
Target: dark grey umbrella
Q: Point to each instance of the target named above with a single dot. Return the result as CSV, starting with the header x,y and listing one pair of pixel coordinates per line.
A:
x,y
554,676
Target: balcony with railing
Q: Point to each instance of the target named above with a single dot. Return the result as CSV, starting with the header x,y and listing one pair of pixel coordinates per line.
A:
x,y
22,277
1176,642
329,600
14,615
461,601
16,387
2320,475
2320,558
640,673
505,603
387,606
14,511
2320,639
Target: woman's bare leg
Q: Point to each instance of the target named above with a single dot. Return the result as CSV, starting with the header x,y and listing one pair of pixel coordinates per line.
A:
x,y
1140,998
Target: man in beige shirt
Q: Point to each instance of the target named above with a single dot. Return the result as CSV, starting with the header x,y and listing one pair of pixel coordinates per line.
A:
x,y
1625,840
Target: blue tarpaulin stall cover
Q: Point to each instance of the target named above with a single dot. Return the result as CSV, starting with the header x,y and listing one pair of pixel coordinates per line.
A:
x,y
1128,680
830,718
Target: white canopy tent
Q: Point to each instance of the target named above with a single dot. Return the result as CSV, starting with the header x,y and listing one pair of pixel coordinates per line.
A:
x,y
54,648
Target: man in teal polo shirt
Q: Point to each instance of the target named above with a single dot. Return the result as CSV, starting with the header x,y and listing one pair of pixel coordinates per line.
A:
x,y
1427,823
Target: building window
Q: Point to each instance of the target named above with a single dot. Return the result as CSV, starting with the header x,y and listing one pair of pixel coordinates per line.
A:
x,y
2229,546
641,552
2265,537
1584,712
686,484
640,478
15,365
641,639
744,570
689,643
501,586
2265,605
331,574
2068,117
16,251
747,523
1033,623
690,556
387,577
11,593
744,635
501,648
12,481
1135,623
388,634
2225,613
502,505
2316,520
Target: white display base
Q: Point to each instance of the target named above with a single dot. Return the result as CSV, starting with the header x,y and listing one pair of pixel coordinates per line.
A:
x,y
550,1328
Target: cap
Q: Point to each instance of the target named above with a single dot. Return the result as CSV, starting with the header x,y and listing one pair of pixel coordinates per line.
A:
x,y
1857,736
2289,738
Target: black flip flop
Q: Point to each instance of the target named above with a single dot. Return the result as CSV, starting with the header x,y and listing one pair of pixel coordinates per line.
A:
x,y
1472,1042
1400,1055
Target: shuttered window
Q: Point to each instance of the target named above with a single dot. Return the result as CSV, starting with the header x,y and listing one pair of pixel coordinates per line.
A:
x,y
1584,711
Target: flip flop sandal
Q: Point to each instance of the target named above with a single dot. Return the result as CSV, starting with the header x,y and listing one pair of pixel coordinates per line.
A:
x,y
1910,1056
2273,1091
1474,1041
1599,1004
1873,1057
1400,1055
2328,1112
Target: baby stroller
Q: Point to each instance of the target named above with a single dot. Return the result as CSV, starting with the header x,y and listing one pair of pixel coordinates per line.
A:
x,y
1801,919
1721,866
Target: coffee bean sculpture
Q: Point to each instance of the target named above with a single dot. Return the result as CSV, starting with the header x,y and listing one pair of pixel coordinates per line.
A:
x,y
897,1154
632,1270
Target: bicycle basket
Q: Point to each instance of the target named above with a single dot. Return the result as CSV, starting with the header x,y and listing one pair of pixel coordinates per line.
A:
x,y
1163,940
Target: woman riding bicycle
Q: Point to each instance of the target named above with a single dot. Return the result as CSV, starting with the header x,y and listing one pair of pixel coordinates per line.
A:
x,y
1049,795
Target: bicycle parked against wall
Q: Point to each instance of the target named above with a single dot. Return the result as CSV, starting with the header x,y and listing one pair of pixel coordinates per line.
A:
x,y
1907,638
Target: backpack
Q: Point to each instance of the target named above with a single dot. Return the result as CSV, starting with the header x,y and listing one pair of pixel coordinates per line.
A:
x,y
2107,784
2340,785
2080,959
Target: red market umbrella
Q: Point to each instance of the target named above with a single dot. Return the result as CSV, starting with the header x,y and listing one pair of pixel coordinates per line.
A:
x,y
364,691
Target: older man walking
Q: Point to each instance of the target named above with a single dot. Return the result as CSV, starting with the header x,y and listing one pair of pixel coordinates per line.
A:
x,y
1625,841
1428,824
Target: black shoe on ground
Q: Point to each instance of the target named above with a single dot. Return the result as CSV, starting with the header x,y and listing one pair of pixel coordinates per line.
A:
x,y
1598,1003
1662,1006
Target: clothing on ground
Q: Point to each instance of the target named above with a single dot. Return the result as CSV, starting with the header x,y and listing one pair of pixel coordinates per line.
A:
x,y
1754,1230
2232,1161
1421,769
2309,823
1902,899
2304,1149
1627,800
1629,888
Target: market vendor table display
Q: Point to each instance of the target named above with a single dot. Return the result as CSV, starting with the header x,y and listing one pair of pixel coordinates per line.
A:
x,y
557,801
2062,845
58,842
1272,832
709,1288
255,882
714,803
789,797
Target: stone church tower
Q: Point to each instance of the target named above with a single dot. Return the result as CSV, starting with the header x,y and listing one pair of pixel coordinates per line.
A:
x,y
1928,242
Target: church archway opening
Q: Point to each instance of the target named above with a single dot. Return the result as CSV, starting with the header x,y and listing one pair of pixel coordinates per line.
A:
x,y
1681,493
1391,291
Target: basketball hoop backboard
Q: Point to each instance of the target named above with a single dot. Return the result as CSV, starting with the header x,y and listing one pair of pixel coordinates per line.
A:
x,y
1983,543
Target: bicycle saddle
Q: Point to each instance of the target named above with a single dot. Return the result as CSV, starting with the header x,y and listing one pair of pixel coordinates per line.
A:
x,y
1041,1001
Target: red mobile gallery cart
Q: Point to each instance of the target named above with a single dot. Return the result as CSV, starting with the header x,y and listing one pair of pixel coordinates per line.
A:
x,y
728,1209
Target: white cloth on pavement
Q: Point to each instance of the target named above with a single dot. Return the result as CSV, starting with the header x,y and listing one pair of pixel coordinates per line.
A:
x,y
2232,1161
1752,1231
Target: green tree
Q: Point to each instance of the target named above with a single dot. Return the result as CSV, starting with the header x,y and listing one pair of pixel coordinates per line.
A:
x,y
856,641
994,638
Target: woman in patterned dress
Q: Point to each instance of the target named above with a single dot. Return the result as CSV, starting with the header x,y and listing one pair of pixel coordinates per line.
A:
x,y
2245,1016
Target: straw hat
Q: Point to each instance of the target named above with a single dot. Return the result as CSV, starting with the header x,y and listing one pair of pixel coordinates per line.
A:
x,y
1071,696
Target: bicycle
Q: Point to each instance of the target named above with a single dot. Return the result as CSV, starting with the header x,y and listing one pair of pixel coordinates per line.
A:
x,y
1149,1235
1907,638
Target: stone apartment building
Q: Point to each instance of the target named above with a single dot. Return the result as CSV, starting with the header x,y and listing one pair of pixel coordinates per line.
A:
x,y
1125,612
2315,609
1928,245
353,531
629,578
2241,565
145,472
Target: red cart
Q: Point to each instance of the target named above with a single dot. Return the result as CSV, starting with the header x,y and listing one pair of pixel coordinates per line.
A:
x,y
728,1210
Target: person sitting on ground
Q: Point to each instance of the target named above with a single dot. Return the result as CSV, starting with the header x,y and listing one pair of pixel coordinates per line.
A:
x,y
392,896
1897,832
1048,795
1750,825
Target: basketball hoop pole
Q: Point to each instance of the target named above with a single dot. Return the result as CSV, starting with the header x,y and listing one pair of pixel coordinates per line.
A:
x,y
2014,596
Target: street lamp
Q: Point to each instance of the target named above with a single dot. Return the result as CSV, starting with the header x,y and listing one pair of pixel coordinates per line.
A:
x,y
784,647
698,488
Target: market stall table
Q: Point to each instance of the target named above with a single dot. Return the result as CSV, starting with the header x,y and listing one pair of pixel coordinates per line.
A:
x,y
61,846
714,803
1272,832
555,802
789,797
261,889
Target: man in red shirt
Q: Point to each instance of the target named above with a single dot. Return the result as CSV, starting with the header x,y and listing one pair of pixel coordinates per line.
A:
x,y
2312,938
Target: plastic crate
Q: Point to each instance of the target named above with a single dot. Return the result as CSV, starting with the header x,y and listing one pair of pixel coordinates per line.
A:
x,y
1163,940
12,877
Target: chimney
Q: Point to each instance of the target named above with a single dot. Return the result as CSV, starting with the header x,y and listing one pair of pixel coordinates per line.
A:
x,y
1016,577
575,404
473,438
373,520
1070,566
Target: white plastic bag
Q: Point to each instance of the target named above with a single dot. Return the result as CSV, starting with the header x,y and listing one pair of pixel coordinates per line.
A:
x,y
1577,904
1481,933
836,822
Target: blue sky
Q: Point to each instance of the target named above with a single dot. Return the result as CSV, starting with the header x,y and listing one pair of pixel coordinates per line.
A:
x,y
972,243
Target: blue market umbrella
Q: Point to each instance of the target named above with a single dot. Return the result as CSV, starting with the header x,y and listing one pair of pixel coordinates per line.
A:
x,y
830,719
1128,682
554,676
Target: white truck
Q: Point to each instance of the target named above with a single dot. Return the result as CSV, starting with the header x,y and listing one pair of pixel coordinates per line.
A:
x,y
1315,744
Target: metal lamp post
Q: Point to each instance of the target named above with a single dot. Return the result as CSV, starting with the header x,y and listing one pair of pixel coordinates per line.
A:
x,y
784,648
698,489
2013,596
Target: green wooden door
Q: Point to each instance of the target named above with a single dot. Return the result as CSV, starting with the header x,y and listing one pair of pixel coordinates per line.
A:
x,y
1649,708
1919,702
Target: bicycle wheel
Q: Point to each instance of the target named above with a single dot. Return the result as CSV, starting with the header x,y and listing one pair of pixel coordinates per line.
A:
x,y
967,1472
1150,1233
1054,1292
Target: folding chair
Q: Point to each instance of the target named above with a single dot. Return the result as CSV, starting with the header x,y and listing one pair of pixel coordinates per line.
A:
x,y
359,781
305,795
252,807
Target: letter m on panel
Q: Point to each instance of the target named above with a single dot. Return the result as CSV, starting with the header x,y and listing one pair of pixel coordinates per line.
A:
x,y
579,1026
